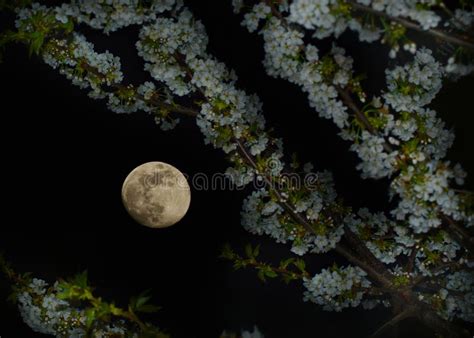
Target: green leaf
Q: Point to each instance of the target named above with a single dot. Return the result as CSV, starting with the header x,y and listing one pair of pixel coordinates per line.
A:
x,y
256,251
148,308
69,26
284,264
270,273
227,252
12,298
249,251
140,303
37,40
220,105
261,275
80,279
90,317
301,265
115,310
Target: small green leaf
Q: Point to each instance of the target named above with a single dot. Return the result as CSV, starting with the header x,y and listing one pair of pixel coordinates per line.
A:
x,y
90,317
284,264
220,105
270,273
301,265
69,26
142,299
227,252
148,308
139,303
256,251
37,40
80,279
249,251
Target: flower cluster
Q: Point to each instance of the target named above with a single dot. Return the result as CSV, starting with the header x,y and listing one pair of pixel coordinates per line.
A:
x,y
42,309
332,17
161,42
75,57
77,60
459,305
175,52
262,213
386,20
318,15
255,333
112,15
415,84
376,162
287,57
337,288
252,18
376,231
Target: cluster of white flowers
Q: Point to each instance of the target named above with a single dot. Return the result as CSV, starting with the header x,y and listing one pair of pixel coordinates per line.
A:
x,y
111,15
287,57
328,18
45,313
140,98
77,60
415,84
425,191
404,236
317,15
464,17
159,44
431,251
237,6
331,17
175,52
440,247
372,229
261,215
458,296
412,9
282,48
376,162
255,333
458,69
366,33
23,16
252,18
337,289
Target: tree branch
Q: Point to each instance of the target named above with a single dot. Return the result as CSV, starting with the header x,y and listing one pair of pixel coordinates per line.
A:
x,y
408,312
437,33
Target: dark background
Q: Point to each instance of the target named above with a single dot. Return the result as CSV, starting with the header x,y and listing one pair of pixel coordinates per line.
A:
x,y
65,156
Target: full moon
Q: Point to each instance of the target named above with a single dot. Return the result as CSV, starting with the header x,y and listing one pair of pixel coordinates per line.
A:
x,y
156,194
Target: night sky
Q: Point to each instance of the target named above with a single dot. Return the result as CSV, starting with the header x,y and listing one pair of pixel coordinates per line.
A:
x,y
65,156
